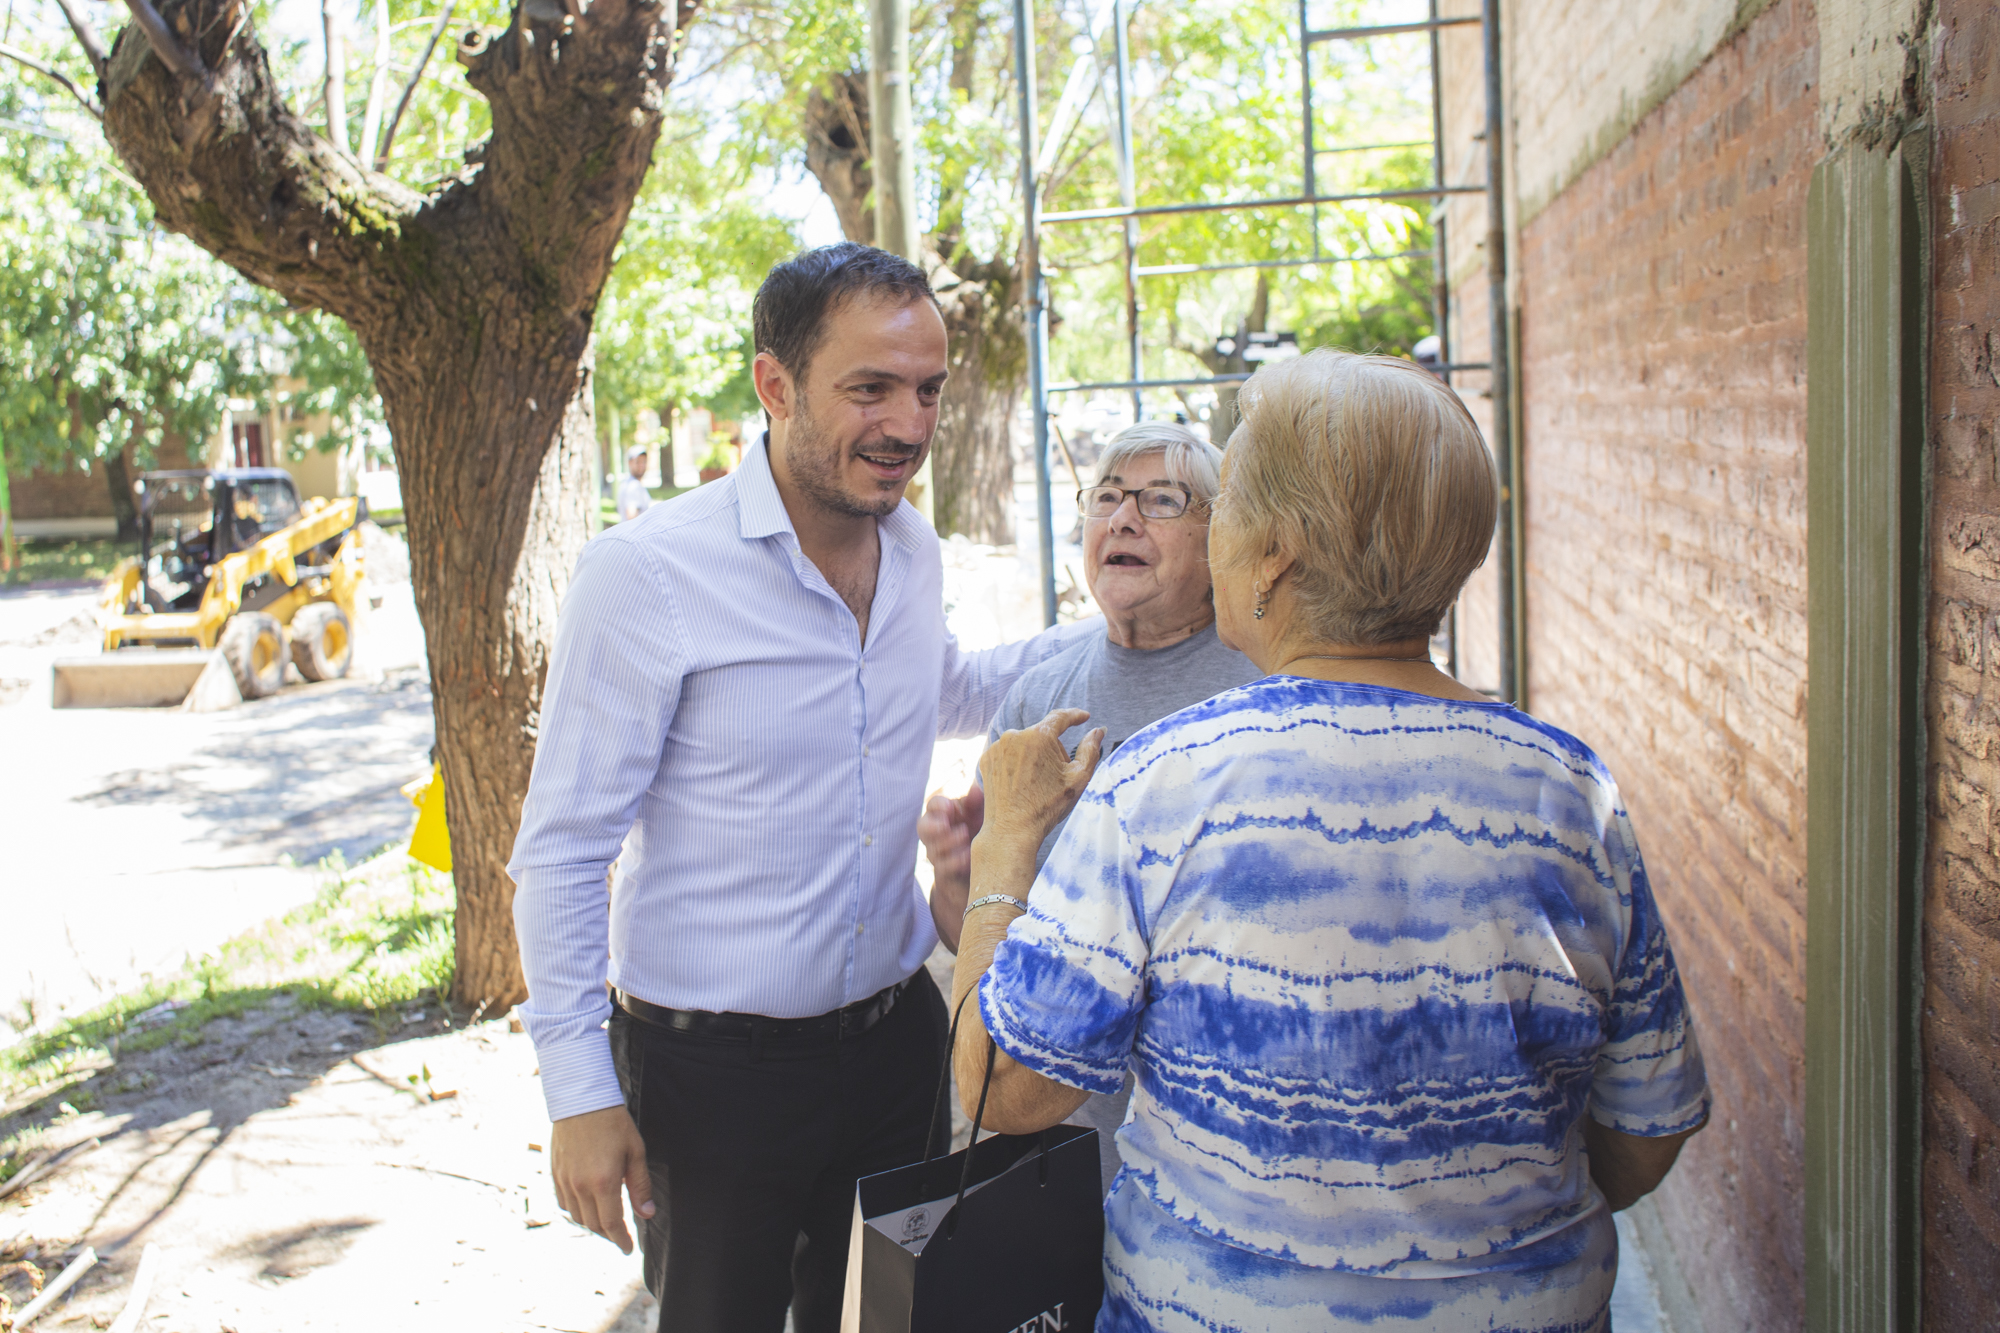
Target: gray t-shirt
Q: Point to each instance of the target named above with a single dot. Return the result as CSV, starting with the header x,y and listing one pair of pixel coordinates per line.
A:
x,y
1125,691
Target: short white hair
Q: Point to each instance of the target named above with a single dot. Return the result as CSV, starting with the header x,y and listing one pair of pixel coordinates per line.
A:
x,y
1190,460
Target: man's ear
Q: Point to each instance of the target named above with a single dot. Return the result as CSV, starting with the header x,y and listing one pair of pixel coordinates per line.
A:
x,y
775,389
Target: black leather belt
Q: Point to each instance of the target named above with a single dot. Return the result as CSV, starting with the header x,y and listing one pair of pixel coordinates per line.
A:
x,y
838,1025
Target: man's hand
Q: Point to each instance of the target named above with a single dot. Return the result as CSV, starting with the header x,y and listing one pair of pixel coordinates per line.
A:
x,y
946,829
1032,781
590,1156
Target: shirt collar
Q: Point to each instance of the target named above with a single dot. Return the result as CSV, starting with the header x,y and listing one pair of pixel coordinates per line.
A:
x,y
761,510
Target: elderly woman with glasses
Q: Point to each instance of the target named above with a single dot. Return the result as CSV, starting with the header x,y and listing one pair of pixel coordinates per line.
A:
x,y
1380,950
1145,551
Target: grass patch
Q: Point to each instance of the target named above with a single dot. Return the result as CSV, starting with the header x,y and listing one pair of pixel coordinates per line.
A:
x,y
376,936
386,518
44,559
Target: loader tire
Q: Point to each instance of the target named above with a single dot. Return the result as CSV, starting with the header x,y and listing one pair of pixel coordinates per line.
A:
x,y
322,641
254,645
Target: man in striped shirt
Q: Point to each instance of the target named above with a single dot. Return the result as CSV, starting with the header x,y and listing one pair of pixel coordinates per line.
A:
x,y
743,697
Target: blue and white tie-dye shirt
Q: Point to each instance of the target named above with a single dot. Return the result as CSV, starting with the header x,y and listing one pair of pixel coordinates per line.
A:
x,y
1371,955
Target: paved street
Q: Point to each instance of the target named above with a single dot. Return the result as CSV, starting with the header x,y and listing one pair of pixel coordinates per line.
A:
x,y
139,836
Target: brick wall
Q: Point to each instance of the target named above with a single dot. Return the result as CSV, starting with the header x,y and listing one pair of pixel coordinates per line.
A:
x,y
1663,376
71,492
1962,899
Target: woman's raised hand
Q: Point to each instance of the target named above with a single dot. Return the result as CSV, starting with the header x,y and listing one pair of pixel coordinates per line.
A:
x,y
1031,780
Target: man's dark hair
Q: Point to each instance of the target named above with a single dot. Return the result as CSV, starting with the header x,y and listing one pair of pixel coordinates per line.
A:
x,y
789,317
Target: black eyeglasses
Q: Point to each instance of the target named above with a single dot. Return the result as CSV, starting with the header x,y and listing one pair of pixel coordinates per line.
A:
x,y
1154,501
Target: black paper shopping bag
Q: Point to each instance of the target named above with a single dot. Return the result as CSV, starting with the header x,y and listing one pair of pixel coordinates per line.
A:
x,y
1006,1236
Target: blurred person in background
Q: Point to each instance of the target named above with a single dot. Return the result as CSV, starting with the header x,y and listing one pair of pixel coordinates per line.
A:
x,y
633,497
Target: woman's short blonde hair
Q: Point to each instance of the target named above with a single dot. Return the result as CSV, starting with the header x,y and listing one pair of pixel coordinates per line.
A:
x,y
1371,475
1190,460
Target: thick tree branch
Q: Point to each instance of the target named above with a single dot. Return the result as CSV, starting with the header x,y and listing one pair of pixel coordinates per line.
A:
x,y
161,38
837,152
86,36
410,88
22,57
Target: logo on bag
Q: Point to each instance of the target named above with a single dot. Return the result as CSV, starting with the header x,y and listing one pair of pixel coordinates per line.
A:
x,y
916,1225
1048,1321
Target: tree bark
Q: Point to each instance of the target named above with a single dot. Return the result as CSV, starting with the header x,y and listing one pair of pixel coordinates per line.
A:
x,y
474,306
1223,423
972,455
118,480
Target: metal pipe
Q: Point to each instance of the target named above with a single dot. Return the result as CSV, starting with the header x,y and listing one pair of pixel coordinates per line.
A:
x,y
1384,29
1156,210
1038,311
1440,262
1306,98
1507,612
1128,196
1076,386
1167,270
1073,386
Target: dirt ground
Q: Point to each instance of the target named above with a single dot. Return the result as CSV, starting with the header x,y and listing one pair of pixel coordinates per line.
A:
x,y
295,1176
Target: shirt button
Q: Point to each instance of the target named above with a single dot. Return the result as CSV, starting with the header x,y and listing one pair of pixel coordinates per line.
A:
x,y
867,840
861,930
866,751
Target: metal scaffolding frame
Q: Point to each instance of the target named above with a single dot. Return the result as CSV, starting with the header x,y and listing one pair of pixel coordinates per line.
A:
x,y
1128,213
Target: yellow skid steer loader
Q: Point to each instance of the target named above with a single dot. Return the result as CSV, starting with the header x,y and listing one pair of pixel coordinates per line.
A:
x,y
243,579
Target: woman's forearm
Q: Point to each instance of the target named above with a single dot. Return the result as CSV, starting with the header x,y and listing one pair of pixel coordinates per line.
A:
x,y
1625,1167
1019,1101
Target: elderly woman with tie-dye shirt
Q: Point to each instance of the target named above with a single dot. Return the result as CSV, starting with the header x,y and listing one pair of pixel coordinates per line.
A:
x,y
1380,951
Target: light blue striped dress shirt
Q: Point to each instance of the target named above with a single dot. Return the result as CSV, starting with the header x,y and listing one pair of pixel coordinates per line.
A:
x,y
709,695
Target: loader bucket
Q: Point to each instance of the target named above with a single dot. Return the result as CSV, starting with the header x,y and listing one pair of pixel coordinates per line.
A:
x,y
144,678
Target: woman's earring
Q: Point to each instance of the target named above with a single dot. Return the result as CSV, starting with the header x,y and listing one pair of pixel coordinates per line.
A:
x,y
1258,613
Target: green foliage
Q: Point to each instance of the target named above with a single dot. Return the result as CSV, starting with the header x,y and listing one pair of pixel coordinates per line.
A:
x,y
110,332
1217,116
45,560
116,334
1216,107
672,325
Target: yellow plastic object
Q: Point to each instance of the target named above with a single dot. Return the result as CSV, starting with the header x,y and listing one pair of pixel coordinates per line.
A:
x,y
431,843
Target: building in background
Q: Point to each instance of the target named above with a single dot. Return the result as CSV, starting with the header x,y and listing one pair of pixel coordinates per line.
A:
x,y
75,503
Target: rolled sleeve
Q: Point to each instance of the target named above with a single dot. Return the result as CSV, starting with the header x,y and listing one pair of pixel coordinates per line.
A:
x,y
614,682
1067,985
1649,1080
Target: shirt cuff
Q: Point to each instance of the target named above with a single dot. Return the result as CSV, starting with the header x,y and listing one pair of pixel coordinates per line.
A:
x,y
578,1074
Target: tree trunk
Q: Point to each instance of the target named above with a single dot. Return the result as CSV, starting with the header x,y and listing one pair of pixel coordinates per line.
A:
x,y
474,306
972,464
118,480
972,456
1223,423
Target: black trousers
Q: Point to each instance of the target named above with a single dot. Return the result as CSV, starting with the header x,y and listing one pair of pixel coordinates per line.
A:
x,y
754,1150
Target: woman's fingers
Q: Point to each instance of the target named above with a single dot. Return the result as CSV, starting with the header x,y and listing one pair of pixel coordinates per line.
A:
x,y
1060,720
1085,762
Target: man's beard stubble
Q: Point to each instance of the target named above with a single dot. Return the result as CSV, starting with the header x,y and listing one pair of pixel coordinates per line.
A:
x,y
815,462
